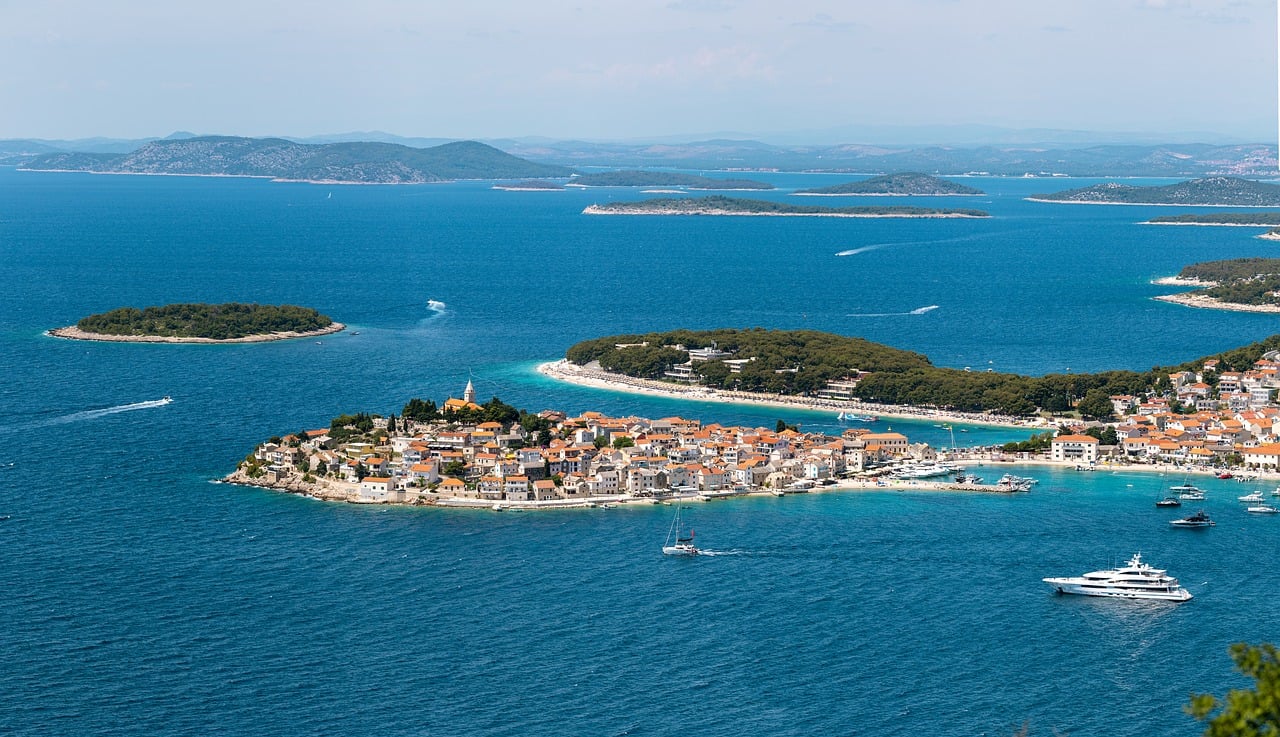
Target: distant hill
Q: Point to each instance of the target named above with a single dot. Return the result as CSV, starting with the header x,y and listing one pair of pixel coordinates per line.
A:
x,y
905,183
1212,191
719,205
276,158
664,179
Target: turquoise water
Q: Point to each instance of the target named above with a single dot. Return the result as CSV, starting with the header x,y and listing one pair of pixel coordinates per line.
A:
x,y
141,599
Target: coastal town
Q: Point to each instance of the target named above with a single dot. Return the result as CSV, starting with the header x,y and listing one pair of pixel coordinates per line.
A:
x,y
1209,421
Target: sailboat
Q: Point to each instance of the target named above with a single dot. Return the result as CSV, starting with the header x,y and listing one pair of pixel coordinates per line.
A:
x,y
683,543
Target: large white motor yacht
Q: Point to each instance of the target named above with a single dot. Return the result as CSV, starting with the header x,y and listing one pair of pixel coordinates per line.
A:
x,y
1136,580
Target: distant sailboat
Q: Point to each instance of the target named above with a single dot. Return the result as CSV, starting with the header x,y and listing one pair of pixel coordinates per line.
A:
x,y
683,543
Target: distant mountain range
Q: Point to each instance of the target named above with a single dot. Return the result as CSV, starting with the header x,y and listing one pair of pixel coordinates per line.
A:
x,y
1210,191
276,158
1014,158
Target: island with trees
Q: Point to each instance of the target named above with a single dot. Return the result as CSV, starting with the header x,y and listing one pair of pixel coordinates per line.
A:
x,y
232,322
657,178
816,365
1262,218
282,160
1241,284
1206,192
904,184
720,205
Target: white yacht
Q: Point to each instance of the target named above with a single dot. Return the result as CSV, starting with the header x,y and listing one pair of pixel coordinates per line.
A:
x,y
1188,492
683,544
1135,580
1262,509
1254,498
923,471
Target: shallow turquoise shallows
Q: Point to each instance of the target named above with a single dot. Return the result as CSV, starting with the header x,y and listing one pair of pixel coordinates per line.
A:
x,y
140,599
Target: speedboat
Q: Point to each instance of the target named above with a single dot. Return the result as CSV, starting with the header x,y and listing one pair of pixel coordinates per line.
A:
x,y
1254,498
1135,580
1169,501
1197,520
1262,509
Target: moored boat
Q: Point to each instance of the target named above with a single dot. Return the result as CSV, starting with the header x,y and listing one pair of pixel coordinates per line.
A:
x,y
1134,580
1254,498
1197,520
1262,509
1169,501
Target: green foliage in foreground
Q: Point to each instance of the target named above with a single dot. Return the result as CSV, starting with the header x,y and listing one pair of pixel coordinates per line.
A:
x,y
219,322
1223,218
1246,712
738,205
803,361
1247,281
1034,444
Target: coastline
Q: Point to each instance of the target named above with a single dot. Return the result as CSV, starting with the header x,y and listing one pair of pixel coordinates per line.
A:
x,y
882,194
598,210
1216,225
563,370
71,332
1142,204
1209,303
1178,281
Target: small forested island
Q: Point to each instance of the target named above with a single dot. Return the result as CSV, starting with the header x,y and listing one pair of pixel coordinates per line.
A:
x,y
1242,284
811,364
232,322
1206,192
663,179
720,205
1264,218
532,185
902,184
276,158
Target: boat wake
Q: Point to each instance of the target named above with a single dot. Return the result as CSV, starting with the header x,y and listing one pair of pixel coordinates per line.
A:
x,y
864,249
437,306
703,551
91,414
916,311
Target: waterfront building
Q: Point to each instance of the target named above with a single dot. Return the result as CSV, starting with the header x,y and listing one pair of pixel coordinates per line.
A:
x,y
1076,449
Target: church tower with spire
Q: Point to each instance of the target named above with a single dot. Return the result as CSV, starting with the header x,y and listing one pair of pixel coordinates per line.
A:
x,y
469,394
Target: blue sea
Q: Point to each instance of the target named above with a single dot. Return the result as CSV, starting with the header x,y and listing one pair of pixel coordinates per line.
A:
x,y
141,599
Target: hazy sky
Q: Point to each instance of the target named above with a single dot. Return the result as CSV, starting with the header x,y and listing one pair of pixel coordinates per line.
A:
x,y
628,69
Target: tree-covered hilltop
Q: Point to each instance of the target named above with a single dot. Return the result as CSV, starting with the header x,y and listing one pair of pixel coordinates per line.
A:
x,y
904,183
218,322
803,361
664,179
1244,281
720,205
1216,191
356,162
1261,218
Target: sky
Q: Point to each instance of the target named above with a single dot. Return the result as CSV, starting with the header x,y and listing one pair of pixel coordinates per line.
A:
x,y
633,69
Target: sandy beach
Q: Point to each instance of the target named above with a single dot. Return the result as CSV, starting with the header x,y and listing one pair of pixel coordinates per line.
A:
x,y
565,371
72,332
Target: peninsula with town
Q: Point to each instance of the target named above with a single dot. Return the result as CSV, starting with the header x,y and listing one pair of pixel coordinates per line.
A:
x,y
231,322
1208,416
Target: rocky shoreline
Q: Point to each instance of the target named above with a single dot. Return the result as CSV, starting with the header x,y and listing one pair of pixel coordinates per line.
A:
x,y
71,332
600,210
1209,303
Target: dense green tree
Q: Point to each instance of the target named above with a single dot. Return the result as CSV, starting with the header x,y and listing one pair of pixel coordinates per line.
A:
x,y
456,469
1096,404
622,441
1246,712
420,411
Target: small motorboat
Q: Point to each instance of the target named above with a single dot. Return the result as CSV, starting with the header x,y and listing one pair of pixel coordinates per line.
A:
x,y
1225,475
1262,509
1196,521
1169,501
